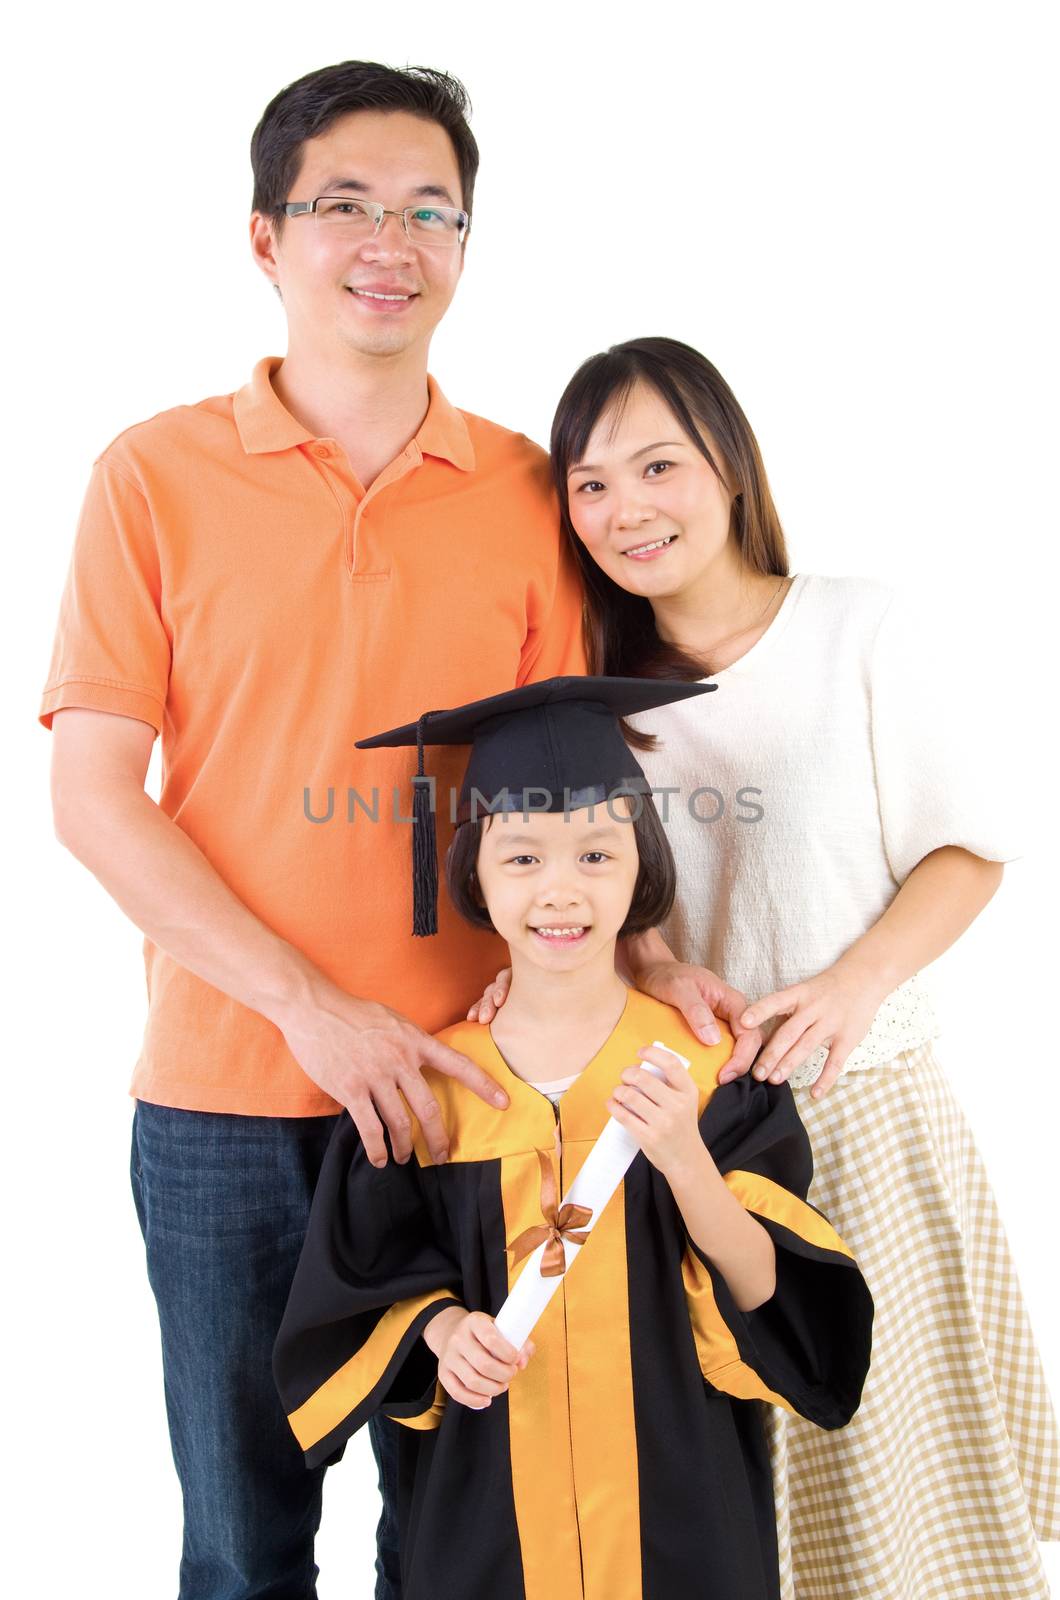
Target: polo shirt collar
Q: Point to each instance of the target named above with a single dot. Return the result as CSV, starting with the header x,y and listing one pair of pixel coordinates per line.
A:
x,y
262,422
443,431
265,425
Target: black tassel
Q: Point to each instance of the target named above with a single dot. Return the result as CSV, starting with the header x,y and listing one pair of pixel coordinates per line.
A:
x,y
424,849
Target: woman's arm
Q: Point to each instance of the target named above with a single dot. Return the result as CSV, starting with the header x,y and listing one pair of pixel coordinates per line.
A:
x,y
940,898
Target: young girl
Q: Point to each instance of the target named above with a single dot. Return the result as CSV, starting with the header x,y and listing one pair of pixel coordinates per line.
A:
x,y
619,1453
841,840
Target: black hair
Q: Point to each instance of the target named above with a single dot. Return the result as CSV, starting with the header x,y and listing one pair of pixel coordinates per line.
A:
x,y
653,892
309,106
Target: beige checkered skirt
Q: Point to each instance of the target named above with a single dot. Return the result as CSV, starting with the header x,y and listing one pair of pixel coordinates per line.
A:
x,y
950,1472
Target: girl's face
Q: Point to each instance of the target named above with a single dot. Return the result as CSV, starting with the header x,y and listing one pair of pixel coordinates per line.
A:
x,y
647,506
558,888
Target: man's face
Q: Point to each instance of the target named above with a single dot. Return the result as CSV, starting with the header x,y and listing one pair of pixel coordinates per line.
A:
x,y
326,281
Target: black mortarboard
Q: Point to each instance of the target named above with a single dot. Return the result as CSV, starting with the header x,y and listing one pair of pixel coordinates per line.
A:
x,y
549,746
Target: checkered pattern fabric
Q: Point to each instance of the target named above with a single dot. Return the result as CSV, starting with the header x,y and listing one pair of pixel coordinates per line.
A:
x,y
950,1472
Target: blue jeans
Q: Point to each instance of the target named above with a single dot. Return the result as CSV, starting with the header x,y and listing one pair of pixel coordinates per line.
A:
x,y
223,1203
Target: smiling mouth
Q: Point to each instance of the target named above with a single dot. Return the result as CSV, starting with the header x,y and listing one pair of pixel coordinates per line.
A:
x,y
650,549
375,294
561,935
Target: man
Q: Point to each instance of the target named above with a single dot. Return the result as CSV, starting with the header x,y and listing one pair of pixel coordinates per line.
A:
x,y
261,579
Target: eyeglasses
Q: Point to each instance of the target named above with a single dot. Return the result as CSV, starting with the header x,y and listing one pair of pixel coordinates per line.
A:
x,y
362,219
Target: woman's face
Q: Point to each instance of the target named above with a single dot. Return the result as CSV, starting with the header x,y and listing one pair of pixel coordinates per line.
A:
x,y
647,506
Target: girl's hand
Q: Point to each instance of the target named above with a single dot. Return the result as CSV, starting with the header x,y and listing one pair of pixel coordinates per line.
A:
x,y
662,1114
835,1008
496,994
475,1362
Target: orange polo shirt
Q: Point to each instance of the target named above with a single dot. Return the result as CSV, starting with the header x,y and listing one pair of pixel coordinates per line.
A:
x,y
233,585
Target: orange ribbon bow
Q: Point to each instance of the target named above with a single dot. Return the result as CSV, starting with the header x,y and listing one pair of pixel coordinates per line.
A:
x,y
558,1225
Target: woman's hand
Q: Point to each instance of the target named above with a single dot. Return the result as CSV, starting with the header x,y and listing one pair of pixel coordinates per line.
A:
x,y
939,899
475,1362
701,996
835,1008
662,1114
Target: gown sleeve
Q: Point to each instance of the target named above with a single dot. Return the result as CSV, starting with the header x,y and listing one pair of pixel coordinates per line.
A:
x,y
806,1348
372,1273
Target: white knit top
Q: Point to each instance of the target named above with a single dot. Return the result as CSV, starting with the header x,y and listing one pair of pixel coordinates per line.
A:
x,y
829,761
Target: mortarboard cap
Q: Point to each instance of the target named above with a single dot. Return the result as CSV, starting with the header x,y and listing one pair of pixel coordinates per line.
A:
x,y
549,746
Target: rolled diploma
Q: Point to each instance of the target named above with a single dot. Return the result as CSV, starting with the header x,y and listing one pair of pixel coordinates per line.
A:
x,y
602,1171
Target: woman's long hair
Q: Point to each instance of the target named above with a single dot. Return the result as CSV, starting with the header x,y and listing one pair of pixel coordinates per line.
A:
x,y
622,638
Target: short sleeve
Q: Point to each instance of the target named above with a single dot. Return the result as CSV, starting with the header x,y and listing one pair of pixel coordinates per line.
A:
x,y
112,651
938,735
555,643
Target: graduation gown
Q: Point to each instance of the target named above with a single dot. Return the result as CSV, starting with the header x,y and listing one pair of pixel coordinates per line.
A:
x,y
628,1461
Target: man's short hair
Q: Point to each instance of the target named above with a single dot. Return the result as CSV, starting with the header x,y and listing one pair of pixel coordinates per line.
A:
x,y
309,106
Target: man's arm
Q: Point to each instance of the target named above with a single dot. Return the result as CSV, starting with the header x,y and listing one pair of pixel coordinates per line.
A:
x,y
362,1054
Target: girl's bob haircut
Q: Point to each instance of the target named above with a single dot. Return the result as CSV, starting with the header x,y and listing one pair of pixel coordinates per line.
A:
x,y
653,892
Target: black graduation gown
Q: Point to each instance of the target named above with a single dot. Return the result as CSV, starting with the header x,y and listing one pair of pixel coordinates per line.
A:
x,y
628,1461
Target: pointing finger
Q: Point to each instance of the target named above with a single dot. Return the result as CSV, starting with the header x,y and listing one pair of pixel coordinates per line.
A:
x,y
454,1065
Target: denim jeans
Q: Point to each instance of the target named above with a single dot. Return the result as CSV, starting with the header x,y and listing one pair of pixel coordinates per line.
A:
x,y
223,1203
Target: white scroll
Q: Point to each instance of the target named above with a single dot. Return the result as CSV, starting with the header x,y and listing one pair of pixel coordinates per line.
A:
x,y
602,1171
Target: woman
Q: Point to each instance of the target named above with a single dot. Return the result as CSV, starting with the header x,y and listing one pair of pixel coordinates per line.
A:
x,y
829,843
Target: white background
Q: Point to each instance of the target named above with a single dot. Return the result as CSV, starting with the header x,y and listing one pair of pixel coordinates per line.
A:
x,y
849,208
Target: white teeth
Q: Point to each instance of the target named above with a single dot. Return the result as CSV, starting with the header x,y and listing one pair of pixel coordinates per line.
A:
x,y
560,933
369,294
641,549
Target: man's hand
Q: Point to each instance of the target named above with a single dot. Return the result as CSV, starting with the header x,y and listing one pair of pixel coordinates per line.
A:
x,y
475,1362
370,1060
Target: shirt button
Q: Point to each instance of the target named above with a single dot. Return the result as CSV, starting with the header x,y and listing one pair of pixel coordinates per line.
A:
x,y
322,450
